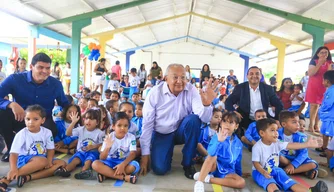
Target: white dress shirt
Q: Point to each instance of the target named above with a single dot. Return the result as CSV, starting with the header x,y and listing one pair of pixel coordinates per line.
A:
x,y
163,111
255,101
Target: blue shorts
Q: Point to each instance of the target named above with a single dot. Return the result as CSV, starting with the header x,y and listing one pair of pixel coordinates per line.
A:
x,y
327,128
307,161
331,163
113,162
222,174
69,139
22,160
294,108
279,177
85,156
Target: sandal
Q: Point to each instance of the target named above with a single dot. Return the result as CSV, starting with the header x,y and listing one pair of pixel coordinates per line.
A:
x,y
87,175
100,178
312,174
133,179
320,149
3,185
323,154
61,172
21,180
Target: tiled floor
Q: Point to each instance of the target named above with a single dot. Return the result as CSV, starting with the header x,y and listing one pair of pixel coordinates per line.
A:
x,y
172,182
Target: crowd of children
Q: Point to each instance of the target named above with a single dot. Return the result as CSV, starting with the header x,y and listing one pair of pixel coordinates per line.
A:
x,y
103,138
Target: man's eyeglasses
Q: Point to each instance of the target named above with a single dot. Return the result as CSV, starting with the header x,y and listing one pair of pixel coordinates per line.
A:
x,y
175,78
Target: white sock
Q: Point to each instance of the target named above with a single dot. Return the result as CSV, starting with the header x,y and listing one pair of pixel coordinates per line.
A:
x,y
206,179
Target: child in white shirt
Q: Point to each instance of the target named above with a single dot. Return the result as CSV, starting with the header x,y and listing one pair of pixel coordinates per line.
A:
x,y
114,83
118,153
90,139
297,98
134,82
33,150
265,156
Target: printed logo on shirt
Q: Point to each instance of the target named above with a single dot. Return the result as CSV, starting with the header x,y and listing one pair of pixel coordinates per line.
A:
x,y
87,141
272,161
51,138
133,142
37,148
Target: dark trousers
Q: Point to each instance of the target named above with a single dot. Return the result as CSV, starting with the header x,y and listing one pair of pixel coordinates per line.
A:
x,y
244,123
163,145
9,126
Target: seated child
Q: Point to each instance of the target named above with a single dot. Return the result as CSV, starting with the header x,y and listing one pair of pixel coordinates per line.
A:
x,y
265,156
32,152
107,97
83,104
326,110
91,103
138,119
112,108
115,96
148,86
63,143
95,95
297,97
105,123
135,100
90,139
302,123
118,153
85,91
221,104
251,135
208,132
296,161
128,108
224,157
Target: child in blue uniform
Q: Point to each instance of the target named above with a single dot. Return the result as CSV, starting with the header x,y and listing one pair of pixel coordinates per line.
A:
x,y
63,143
265,156
118,153
326,110
32,152
224,157
208,132
90,138
251,135
138,119
296,161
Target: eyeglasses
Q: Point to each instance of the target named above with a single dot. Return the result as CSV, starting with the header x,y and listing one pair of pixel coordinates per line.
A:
x,y
182,78
323,52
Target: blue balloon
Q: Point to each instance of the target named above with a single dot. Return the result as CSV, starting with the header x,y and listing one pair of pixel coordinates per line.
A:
x,y
96,57
93,54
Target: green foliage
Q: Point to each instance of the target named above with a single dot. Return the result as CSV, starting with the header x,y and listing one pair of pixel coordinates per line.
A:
x,y
58,55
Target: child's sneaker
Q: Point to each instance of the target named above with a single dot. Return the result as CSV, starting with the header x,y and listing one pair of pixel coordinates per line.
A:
x,y
319,187
206,180
199,186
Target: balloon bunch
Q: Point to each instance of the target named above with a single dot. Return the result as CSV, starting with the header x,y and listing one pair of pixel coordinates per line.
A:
x,y
92,51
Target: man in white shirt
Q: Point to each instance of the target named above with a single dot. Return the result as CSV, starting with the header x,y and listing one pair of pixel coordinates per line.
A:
x,y
251,96
172,115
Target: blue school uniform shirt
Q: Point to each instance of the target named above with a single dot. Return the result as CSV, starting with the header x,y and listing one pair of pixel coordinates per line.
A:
x,y
61,134
26,92
205,136
326,110
139,122
297,157
251,133
228,152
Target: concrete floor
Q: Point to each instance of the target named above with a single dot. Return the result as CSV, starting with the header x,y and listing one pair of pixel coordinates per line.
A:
x,y
175,181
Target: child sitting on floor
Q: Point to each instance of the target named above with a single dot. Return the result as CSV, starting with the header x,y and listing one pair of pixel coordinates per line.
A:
x,y
63,143
297,97
251,135
265,156
207,133
112,108
32,152
302,123
83,104
326,110
90,139
296,161
128,108
138,119
118,153
224,157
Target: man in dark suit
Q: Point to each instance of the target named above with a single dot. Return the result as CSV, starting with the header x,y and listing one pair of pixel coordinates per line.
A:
x,y
251,96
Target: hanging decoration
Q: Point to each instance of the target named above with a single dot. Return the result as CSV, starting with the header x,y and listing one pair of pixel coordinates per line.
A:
x,y
92,51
